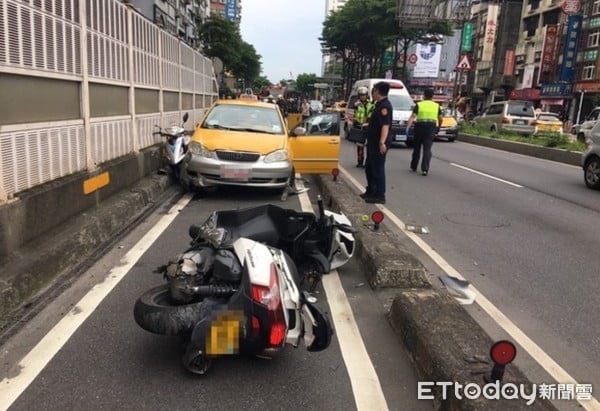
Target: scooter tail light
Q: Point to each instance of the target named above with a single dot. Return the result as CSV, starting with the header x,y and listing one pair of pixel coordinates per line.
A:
x,y
270,297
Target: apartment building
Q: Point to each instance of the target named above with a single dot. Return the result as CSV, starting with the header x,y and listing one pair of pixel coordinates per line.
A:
x,y
227,9
587,73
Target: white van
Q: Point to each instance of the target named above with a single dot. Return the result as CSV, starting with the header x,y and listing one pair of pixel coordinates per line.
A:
x,y
402,103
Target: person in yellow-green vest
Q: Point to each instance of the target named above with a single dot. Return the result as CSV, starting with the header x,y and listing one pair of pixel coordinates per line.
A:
x,y
364,109
426,116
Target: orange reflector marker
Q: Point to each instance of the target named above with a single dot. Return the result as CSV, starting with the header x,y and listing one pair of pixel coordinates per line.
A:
x,y
95,183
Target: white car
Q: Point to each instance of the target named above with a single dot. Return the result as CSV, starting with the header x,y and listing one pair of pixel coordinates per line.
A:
x,y
585,129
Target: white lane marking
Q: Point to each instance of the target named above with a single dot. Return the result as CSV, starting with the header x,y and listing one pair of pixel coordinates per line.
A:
x,y
486,175
544,360
368,394
37,359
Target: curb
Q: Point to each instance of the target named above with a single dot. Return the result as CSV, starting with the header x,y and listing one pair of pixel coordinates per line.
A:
x,y
31,270
442,339
547,153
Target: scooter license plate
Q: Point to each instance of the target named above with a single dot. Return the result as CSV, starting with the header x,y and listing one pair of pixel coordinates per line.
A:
x,y
224,335
235,172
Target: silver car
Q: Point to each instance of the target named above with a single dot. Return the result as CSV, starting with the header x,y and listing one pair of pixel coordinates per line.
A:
x,y
513,115
590,160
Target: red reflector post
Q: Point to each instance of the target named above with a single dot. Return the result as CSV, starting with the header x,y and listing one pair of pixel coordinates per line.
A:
x,y
377,218
502,353
335,173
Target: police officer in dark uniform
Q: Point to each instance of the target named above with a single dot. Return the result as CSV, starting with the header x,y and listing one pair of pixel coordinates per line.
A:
x,y
378,142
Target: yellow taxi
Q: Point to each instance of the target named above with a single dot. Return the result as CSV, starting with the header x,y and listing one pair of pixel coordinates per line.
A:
x,y
245,142
549,123
449,127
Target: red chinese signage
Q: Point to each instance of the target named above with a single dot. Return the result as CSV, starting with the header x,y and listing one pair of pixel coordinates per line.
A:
x,y
509,63
525,94
570,7
548,49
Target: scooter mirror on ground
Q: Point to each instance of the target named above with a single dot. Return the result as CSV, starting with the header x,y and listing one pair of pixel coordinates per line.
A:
x,y
185,117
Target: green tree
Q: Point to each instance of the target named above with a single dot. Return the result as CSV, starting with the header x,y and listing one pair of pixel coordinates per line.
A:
x,y
305,82
221,38
260,83
283,83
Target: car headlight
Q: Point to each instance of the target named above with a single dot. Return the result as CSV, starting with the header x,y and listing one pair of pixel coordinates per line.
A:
x,y
199,149
276,156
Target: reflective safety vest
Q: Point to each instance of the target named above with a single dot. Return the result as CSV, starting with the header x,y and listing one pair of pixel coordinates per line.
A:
x,y
363,112
428,111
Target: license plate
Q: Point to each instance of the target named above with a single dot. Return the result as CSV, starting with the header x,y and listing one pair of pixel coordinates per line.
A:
x,y
521,122
235,172
224,335
400,137
442,133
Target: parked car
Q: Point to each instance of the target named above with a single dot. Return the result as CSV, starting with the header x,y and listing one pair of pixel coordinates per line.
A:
x,y
449,127
549,123
513,115
588,124
590,160
400,99
246,143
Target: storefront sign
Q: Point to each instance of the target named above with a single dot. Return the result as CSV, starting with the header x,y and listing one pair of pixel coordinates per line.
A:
x,y
525,94
509,63
231,9
570,7
528,76
567,71
557,90
548,50
467,39
489,38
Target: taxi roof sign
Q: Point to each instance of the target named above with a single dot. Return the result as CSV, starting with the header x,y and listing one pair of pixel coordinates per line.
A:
x,y
248,95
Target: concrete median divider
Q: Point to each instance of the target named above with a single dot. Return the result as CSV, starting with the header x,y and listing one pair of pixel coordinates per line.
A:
x,y
445,343
547,153
52,231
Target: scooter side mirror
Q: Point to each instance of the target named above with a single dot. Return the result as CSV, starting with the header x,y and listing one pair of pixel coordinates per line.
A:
x,y
194,232
185,117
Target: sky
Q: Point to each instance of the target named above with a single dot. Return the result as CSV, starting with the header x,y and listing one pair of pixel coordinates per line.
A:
x,y
286,34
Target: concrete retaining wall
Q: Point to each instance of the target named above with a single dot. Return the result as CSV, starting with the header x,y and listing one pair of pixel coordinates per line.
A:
x,y
547,153
52,228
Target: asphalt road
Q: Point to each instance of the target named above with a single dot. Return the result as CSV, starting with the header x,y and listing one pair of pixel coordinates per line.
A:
x,y
111,363
534,250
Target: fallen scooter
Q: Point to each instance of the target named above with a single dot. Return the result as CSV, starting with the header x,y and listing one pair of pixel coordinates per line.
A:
x,y
243,287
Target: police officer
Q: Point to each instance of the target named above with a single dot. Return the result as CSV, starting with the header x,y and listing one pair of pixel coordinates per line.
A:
x,y
378,142
364,109
427,114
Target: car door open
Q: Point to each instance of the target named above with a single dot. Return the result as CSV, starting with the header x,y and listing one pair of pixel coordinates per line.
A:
x,y
315,145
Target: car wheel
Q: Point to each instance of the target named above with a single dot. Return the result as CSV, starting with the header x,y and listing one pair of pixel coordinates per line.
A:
x,y
592,173
451,139
581,137
494,128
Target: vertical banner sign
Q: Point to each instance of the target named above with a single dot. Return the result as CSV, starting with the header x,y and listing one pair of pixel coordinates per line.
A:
x,y
467,38
428,62
231,9
548,50
489,38
567,70
509,63
528,76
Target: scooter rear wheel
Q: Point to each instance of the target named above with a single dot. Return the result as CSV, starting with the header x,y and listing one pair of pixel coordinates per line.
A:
x,y
154,311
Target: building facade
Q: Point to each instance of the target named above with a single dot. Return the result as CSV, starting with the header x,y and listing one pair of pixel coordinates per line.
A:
x,y
494,38
331,66
587,77
179,17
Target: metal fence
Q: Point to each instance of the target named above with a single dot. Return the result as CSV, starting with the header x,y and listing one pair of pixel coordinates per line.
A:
x,y
101,43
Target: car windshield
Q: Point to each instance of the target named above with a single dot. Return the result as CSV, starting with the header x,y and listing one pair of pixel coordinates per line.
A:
x,y
548,117
520,110
401,102
244,118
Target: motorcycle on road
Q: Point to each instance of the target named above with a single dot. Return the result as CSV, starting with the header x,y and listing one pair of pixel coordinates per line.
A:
x,y
244,286
176,145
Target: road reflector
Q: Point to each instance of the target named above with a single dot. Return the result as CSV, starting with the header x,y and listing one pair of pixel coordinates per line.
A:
x,y
92,184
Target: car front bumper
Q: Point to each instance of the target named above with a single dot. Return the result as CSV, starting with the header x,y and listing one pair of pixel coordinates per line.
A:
x,y
398,133
448,132
208,172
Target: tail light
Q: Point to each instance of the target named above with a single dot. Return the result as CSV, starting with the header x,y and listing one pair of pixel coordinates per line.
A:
x,y
271,298
534,122
505,120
